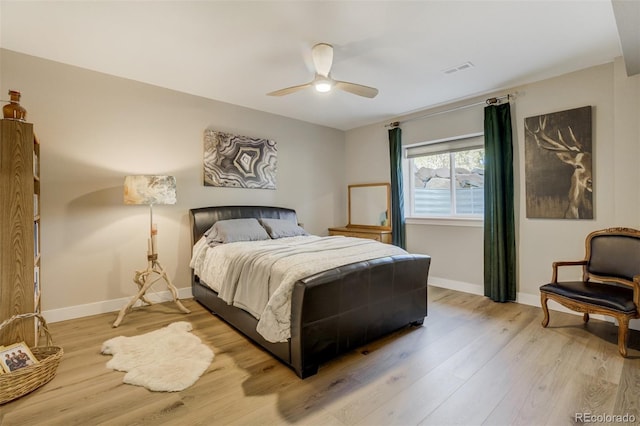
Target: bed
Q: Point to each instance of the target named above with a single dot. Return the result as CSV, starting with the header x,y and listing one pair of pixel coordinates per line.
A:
x,y
331,311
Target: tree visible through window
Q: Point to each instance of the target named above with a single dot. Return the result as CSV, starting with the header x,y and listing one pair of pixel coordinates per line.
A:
x,y
433,191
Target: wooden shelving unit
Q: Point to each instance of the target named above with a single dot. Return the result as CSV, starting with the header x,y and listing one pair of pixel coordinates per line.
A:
x,y
19,230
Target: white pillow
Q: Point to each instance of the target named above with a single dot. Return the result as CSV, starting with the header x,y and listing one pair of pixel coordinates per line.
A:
x,y
233,230
280,228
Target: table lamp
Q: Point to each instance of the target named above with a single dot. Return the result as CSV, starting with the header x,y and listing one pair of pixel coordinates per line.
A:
x,y
150,190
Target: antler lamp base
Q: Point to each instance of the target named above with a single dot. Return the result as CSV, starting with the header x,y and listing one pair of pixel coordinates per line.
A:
x,y
144,280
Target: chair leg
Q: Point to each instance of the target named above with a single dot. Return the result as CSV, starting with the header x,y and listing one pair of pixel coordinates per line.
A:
x,y
545,309
623,333
585,317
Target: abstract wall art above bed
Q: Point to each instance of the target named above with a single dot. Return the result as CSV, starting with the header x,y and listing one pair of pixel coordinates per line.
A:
x,y
239,161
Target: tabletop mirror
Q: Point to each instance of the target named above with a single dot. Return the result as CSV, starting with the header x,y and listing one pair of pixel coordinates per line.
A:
x,y
370,206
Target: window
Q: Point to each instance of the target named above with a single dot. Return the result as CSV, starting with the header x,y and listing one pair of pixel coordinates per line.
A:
x,y
432,191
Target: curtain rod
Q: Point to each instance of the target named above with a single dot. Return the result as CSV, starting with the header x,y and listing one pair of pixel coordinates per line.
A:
x,y
490,101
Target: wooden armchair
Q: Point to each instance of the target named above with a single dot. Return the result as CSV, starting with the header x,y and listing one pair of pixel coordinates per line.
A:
x,y
610,280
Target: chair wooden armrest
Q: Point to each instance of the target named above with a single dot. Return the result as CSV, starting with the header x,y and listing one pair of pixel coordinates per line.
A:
x,y
555,265
636,290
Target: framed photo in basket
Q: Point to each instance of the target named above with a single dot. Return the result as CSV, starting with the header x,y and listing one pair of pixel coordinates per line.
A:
x,y
15,357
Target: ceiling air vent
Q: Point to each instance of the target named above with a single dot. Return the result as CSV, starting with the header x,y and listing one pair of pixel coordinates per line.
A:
x,y
457,68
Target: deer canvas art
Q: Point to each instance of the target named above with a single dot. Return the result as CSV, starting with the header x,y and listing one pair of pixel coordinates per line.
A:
x,y
558,165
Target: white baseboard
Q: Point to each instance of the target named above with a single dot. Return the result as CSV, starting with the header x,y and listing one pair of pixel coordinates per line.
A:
x,y
114,305
456,285
523,298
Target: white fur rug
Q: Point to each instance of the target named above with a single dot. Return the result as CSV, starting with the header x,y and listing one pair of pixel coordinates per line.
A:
x,y
168,360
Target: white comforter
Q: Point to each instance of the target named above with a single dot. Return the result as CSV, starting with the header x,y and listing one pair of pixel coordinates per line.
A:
x,y
258,276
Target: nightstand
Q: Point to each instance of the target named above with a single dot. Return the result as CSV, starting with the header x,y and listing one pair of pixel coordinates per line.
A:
x,y
372,234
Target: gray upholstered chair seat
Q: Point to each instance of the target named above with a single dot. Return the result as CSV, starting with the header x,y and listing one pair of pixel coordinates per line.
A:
x,y
607,296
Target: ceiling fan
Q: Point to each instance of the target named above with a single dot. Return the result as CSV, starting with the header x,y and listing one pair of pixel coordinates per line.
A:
x,y
322,54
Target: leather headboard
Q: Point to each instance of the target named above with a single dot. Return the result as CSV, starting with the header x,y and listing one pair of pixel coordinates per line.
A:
x,y
203,218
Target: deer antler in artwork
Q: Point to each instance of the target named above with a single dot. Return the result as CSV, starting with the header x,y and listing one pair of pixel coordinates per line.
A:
x,y
546,142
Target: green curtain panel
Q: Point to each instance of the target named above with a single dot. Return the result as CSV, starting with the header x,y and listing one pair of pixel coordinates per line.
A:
x,y
499,223
397,193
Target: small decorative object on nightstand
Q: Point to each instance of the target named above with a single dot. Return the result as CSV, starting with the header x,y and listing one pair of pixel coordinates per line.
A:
x,y
150,190
369,213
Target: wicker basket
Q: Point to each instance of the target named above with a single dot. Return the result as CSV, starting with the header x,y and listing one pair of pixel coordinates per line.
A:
x,y
20,382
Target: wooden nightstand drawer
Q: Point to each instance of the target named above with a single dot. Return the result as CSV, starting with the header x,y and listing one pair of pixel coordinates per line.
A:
x,y
360,235
372,234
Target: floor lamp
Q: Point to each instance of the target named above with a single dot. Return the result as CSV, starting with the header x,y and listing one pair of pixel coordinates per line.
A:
x,y
150,190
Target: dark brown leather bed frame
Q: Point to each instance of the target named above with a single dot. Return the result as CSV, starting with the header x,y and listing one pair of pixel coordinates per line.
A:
x,y
332,312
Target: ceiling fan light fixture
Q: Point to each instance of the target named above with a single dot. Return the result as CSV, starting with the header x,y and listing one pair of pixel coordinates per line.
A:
x,y
323,85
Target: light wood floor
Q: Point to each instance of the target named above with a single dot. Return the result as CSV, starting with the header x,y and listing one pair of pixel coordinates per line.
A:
x,y
473,362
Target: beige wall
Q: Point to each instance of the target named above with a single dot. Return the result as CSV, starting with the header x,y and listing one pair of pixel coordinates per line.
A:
x,y
457,250
95,129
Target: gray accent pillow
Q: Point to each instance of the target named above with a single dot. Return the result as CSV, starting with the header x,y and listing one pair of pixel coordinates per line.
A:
x,y
233,230
280,228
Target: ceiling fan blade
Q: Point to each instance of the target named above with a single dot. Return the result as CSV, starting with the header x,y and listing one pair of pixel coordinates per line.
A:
x,y
289,90
356,89
322,54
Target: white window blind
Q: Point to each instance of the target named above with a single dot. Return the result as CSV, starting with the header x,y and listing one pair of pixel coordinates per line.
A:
x,y
450,145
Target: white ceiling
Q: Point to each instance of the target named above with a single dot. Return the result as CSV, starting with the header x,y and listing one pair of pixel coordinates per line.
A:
x,y
237,51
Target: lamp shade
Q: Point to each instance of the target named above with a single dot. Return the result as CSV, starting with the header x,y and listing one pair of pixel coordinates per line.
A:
x,y
147,189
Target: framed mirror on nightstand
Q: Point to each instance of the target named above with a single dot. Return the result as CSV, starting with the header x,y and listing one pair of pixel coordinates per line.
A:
x,y
369,214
